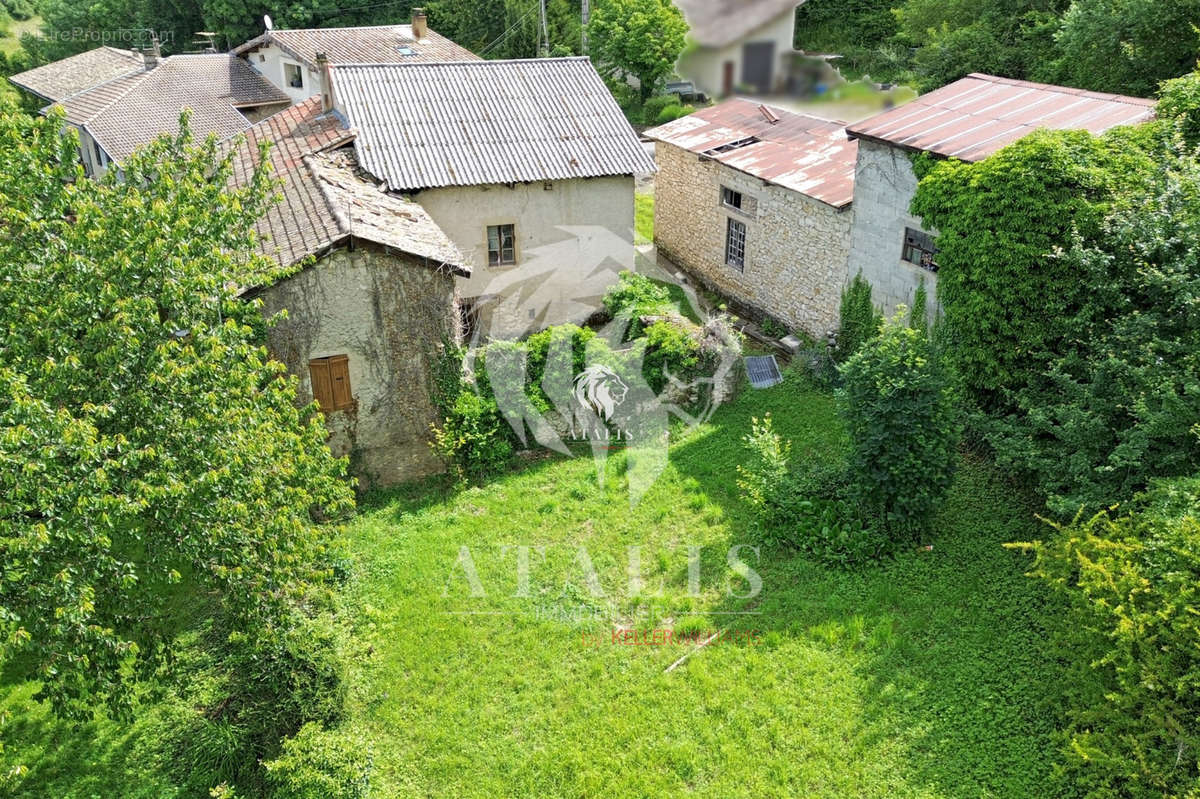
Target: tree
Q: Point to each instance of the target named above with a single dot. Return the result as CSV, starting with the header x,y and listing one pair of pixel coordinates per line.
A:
x,y
153,461
637,38
902,417
858,321
1128,46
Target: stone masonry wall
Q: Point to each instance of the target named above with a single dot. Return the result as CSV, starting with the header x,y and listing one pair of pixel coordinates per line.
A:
x,y
390,314
884,186
796,247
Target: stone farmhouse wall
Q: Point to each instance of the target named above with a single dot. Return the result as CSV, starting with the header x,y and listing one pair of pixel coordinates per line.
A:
x,y
884,187
390,314
796,247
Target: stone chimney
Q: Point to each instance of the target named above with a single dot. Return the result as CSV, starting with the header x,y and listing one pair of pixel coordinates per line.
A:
x,y
326,83
151,54
420,25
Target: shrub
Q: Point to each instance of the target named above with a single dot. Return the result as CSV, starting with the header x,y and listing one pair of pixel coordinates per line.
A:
x,y
902,417
918,319
1132,581
321,764
474,437
654,107
673,112
635,295
858,321
772,328
670,350
1179,102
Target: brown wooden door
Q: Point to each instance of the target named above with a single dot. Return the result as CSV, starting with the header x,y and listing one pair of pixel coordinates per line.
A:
x,y
727,81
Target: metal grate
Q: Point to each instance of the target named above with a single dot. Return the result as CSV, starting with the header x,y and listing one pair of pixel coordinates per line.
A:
x,y
763,371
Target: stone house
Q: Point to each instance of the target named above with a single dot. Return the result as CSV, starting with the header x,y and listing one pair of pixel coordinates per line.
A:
x,y
754,202
738,45
288,58
969,120
528,166
132,101
370,299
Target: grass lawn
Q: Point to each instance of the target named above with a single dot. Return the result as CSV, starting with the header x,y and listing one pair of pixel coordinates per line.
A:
x,y
643,218
926,676
10,42
922,677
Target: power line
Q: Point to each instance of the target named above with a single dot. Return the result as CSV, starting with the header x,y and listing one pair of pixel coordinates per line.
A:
x,y
513,27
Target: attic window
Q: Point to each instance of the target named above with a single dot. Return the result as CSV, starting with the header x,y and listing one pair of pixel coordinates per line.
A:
x,y
406,51
733,145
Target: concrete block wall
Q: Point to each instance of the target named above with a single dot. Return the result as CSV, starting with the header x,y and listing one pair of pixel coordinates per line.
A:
x,y
884,186
796,247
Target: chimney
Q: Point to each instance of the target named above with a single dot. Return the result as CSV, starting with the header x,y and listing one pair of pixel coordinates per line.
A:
x,y
420,25
151,54
326,83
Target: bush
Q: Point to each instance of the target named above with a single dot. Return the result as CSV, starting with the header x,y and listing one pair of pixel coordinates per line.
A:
x,y
474,437
802,511
321,764
670,350
858,321
672,113
1179,102
902,418
635,295
1132,581
654,107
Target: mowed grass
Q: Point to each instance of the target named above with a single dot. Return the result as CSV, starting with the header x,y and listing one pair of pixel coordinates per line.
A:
x,y
926,676
643,205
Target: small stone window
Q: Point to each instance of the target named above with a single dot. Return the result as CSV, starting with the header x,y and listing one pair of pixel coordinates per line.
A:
x,y
502,245
920,250
331,382
737,201
293,76
735,245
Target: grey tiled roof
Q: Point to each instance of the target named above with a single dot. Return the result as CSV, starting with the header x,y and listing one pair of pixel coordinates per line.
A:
x,y
378,44
129,112
480,122
717,23
68,76
324,200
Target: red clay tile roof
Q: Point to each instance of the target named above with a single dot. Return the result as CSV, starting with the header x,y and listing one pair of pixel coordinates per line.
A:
x,y
68,76
798,152
974,117
324,201
381,44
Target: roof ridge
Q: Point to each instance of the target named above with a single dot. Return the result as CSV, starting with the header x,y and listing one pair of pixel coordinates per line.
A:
x,y
560,59
1120,98
340,28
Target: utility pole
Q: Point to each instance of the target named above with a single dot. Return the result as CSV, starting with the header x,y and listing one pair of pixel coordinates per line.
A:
x,y
545,48
587,15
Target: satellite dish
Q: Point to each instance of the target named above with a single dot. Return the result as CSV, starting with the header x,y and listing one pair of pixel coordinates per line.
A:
x,y
267,21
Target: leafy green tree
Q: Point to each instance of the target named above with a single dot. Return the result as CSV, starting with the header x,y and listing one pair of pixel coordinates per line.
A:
x,y
858,321
153,461
637,38
1128,46
1179,103
903,421
1131,640
1008,303
1120,404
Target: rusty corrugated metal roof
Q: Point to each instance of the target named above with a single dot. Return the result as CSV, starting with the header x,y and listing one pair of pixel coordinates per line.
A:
x,y
472,123
798,152
974,117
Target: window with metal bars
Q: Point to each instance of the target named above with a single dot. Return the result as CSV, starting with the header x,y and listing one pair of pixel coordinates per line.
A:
x,y
735,245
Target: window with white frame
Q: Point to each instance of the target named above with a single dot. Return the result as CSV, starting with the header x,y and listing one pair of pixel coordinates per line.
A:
x,y
502,245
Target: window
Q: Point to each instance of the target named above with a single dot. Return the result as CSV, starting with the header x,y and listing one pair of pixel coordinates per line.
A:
x,y
738,201
293,76
100,157
501,241
331,382
919,249
735,245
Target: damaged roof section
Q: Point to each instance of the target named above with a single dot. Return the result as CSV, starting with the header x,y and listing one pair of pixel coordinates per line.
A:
x,y
974,117
325,199
802,153
472,123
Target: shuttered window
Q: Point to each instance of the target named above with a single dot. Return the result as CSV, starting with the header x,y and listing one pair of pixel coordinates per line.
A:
x,y
331,382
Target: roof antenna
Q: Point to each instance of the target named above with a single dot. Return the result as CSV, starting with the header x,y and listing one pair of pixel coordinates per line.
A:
x,y
267,22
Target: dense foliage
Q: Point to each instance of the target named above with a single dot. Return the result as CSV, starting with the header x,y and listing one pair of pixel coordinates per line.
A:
x,y
858,320
318,764
901,412
1122,46
1008,303
1120,403
1132,578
